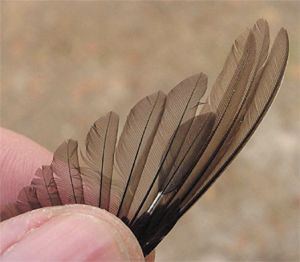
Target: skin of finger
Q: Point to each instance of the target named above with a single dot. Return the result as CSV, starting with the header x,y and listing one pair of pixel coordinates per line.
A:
x,y
18,228
150,257
19,159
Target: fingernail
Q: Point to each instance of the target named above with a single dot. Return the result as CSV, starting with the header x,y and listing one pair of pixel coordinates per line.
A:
x,y
70,237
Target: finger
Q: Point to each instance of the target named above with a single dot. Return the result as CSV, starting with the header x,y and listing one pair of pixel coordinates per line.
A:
x,y
69,233
150,257
19,159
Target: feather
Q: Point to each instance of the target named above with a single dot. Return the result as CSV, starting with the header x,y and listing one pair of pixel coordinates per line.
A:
x,y
8,211
151,234
99,157
217,101
187,156
132,150
27,199
66,173
46,188
235,91
261,34
260,28
267,88
262,37
181,106
186,159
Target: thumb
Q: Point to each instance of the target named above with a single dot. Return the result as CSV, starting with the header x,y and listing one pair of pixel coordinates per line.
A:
x,y
68,233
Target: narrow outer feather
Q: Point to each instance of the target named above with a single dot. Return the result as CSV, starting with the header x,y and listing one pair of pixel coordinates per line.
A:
x,y
267,88
225,114
261,35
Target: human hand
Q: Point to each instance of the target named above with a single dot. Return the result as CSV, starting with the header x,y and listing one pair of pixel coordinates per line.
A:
x,y
64,233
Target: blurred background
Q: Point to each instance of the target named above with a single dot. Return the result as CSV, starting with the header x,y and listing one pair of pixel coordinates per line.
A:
x,y
64,64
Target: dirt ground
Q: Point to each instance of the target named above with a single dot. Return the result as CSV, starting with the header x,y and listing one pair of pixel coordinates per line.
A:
x,y
64,64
